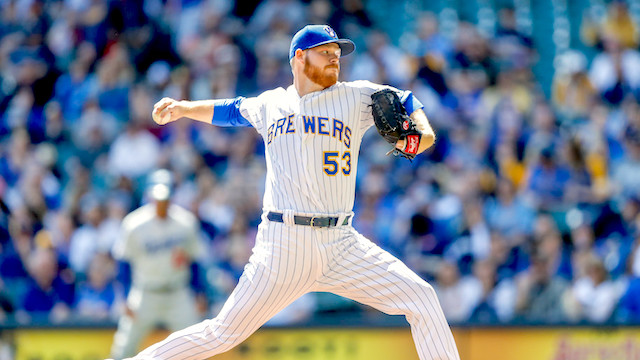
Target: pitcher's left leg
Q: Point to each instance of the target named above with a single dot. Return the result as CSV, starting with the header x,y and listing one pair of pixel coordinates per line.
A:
x,y
364,272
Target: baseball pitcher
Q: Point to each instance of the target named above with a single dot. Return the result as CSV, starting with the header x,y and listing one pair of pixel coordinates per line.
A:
x,y
312,133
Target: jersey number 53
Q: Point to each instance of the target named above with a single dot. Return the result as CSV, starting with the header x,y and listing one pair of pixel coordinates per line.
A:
x,y
333,162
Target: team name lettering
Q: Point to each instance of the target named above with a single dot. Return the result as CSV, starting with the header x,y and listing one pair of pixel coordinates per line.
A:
x,y
270,134
278,128
154,247
347,137
338,126
322,125
309,124
290,130
329,127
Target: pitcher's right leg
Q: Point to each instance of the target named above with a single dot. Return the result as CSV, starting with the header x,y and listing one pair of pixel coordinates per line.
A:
x,y
370,275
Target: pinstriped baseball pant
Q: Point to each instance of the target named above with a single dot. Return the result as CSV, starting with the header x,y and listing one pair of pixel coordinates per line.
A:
x,y
291,260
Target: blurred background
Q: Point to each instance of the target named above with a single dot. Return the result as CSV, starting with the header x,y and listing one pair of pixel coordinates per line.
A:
x,y
526,211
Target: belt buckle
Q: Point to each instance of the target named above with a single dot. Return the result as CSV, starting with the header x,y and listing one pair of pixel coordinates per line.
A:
x,y
312,221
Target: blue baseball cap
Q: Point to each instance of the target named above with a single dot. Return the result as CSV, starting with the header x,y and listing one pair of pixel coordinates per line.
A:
x,y
316,35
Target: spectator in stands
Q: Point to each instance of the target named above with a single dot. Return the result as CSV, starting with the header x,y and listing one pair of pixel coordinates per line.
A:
x,y
94,131
135,140
580,187
508,255
593,296
61,226
350,18
539,293
507,156
465,148
180,153
628,308
365,65
423,249
612,71
634,258
79,182
112,81
433,52
14,254
49,296
508,214
7,307
510,98
617,21
99,297
72,87
85,239
458,295
39,189
15,156
511,47
273,11
572,91
601,148
547,181
631,215
628,311
543,133
433,47
474,239
624,173
472,60
58,134
497,296
558,257
393,63
215,213
117,206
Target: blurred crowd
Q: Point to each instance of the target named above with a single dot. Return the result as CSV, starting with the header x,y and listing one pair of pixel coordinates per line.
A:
x,y
527,209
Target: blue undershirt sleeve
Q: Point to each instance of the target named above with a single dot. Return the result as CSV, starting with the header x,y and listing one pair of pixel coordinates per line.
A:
x,y
410,102
226,112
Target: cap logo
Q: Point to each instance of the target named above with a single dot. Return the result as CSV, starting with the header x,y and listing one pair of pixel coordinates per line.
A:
x,y
330,31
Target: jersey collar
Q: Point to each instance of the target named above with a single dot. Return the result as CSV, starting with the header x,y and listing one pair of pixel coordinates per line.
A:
x,y
294,92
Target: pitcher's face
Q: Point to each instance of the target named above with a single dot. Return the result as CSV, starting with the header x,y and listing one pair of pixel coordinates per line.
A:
x,y
322,64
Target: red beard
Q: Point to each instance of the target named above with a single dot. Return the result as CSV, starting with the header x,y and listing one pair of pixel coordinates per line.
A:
x,y
318,75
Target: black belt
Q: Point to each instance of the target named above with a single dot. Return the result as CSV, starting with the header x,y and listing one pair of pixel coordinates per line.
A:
x,y
314,221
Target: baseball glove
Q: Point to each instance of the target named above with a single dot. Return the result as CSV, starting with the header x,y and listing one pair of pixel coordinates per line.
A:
x,y
394,124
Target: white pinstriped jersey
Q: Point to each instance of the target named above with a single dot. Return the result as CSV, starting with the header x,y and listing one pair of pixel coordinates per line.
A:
x,y
312,144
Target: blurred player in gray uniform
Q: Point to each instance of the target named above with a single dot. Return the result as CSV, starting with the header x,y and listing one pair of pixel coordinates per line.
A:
x,y
160,241
312,133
